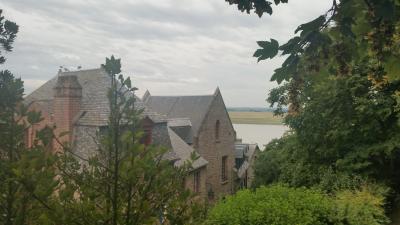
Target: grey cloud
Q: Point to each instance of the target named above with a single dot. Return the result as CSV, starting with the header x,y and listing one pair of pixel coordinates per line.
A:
x,y
167,46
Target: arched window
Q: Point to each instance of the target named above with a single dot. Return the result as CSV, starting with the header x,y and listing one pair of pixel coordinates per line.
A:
x,y
217,125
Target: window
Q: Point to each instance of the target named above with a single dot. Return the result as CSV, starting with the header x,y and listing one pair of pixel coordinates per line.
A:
x,y
196,181
217,125
245,180
146,138
224,169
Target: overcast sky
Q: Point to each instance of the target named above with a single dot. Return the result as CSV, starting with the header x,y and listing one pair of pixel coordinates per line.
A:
x,y
170,47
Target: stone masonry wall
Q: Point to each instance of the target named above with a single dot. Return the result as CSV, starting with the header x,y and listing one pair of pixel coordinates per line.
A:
x,y
250,171
213,150
86,141
189,182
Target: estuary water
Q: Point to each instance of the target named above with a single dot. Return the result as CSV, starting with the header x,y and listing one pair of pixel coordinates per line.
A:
x,y
259,133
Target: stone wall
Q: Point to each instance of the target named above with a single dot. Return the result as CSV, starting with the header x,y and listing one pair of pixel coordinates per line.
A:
x,y
213,149
189,182
85,141
250,171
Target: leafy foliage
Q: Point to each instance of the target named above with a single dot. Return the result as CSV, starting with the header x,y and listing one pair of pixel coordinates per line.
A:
x,y
272,205
282,205
8,33
356,137
340,81
364,206
28,179
335,36
258,6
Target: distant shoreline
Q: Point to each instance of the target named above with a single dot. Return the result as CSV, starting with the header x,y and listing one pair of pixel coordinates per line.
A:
x,y
251,117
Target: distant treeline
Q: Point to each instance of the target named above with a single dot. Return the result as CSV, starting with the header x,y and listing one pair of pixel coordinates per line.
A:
x,y
250,109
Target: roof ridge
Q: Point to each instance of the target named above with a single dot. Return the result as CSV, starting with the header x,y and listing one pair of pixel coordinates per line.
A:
x,y
178,118
178,96
82,70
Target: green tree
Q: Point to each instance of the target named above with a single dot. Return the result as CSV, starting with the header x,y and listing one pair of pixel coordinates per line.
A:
x,y
8,33
126,182
26,174
340,81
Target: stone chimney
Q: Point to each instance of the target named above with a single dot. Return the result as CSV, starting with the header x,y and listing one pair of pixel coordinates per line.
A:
x,y
66,105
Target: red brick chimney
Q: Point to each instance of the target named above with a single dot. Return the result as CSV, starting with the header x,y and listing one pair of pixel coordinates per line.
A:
x,y
66,106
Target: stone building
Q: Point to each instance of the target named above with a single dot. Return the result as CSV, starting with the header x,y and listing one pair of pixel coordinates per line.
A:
x,y
205,125
76,103
245,156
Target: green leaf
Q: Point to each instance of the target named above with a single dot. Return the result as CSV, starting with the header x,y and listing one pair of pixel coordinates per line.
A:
x,y
259,6
310,26
291,46
112,66
280,1
291,61
128,82
269,50
287,69
262,6
280,74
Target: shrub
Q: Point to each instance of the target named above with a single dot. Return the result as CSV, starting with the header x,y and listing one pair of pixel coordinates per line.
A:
x,y
276,205
281,205
360,207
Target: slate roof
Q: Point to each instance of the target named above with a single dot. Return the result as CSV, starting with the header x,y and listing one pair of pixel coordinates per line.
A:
x,y
240,150
183,128
245,150
161,137
193,107
251,150
95,107
95,111
184,151
242,170
179,122
166,137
